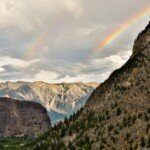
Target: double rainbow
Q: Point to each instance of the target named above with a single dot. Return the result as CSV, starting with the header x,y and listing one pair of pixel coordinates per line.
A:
x,y
39,40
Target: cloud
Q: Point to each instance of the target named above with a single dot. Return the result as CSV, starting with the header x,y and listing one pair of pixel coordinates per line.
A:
x,y
46,75
2,69
63,33
8,60
16,69
96,70
30,14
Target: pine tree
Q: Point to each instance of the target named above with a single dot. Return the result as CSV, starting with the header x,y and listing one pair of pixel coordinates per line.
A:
x,y
70,146
148,142
124,122
142,144
118,111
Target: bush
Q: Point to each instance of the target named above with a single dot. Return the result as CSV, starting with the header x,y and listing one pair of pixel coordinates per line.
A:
x,y
101,146
110,128
142,142
113,139
129,120
139,115
133,119
148,142
116,131
124,122
147,128
127,138
70,146
146,117
118,111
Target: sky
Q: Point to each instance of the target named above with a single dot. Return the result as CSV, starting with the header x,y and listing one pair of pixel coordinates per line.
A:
x,y
60,40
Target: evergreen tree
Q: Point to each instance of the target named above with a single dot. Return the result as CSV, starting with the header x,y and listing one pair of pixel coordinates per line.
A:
x,y
148,142
142,144
70,146
118,111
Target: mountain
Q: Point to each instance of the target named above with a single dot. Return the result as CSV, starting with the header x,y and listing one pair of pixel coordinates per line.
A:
x,y
20,118
60,100
117,114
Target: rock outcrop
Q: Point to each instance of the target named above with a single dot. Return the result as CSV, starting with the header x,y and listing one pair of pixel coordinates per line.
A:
x,y
142,41
20,118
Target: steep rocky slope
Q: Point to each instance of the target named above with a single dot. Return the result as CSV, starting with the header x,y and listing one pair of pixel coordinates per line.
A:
x,y
59,99
20,118
116,116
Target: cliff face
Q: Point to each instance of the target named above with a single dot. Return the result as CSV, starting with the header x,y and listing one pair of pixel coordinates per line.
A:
x,y
142,41
19,118
59,99
117,114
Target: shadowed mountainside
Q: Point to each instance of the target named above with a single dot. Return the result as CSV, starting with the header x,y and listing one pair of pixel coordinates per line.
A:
x,y
22,118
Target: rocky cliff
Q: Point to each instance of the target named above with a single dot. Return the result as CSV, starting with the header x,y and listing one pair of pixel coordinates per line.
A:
x,y
59,99
117,114
20,118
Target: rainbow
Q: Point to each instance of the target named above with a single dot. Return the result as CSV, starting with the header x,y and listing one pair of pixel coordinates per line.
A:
x,y
37,43
40,39
117,32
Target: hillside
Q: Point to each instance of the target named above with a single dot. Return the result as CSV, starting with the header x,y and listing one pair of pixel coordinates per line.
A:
x,y
60,100
117,114
22,118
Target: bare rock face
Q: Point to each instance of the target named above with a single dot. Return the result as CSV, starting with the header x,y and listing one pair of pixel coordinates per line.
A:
x,y
19,118
143,40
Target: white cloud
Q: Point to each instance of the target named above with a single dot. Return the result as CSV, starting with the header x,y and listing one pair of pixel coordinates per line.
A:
x,y
29,14
51,77
96,70
46,76
2,69
7,60
90,77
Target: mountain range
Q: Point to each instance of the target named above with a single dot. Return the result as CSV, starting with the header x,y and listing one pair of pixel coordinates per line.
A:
x,y
60,100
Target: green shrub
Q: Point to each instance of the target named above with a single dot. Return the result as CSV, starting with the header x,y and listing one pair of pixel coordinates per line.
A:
x,y
110,128
148,142
118,111
71,146
128,136
133,119
116,131
146,117
142,142
124,122
139,115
